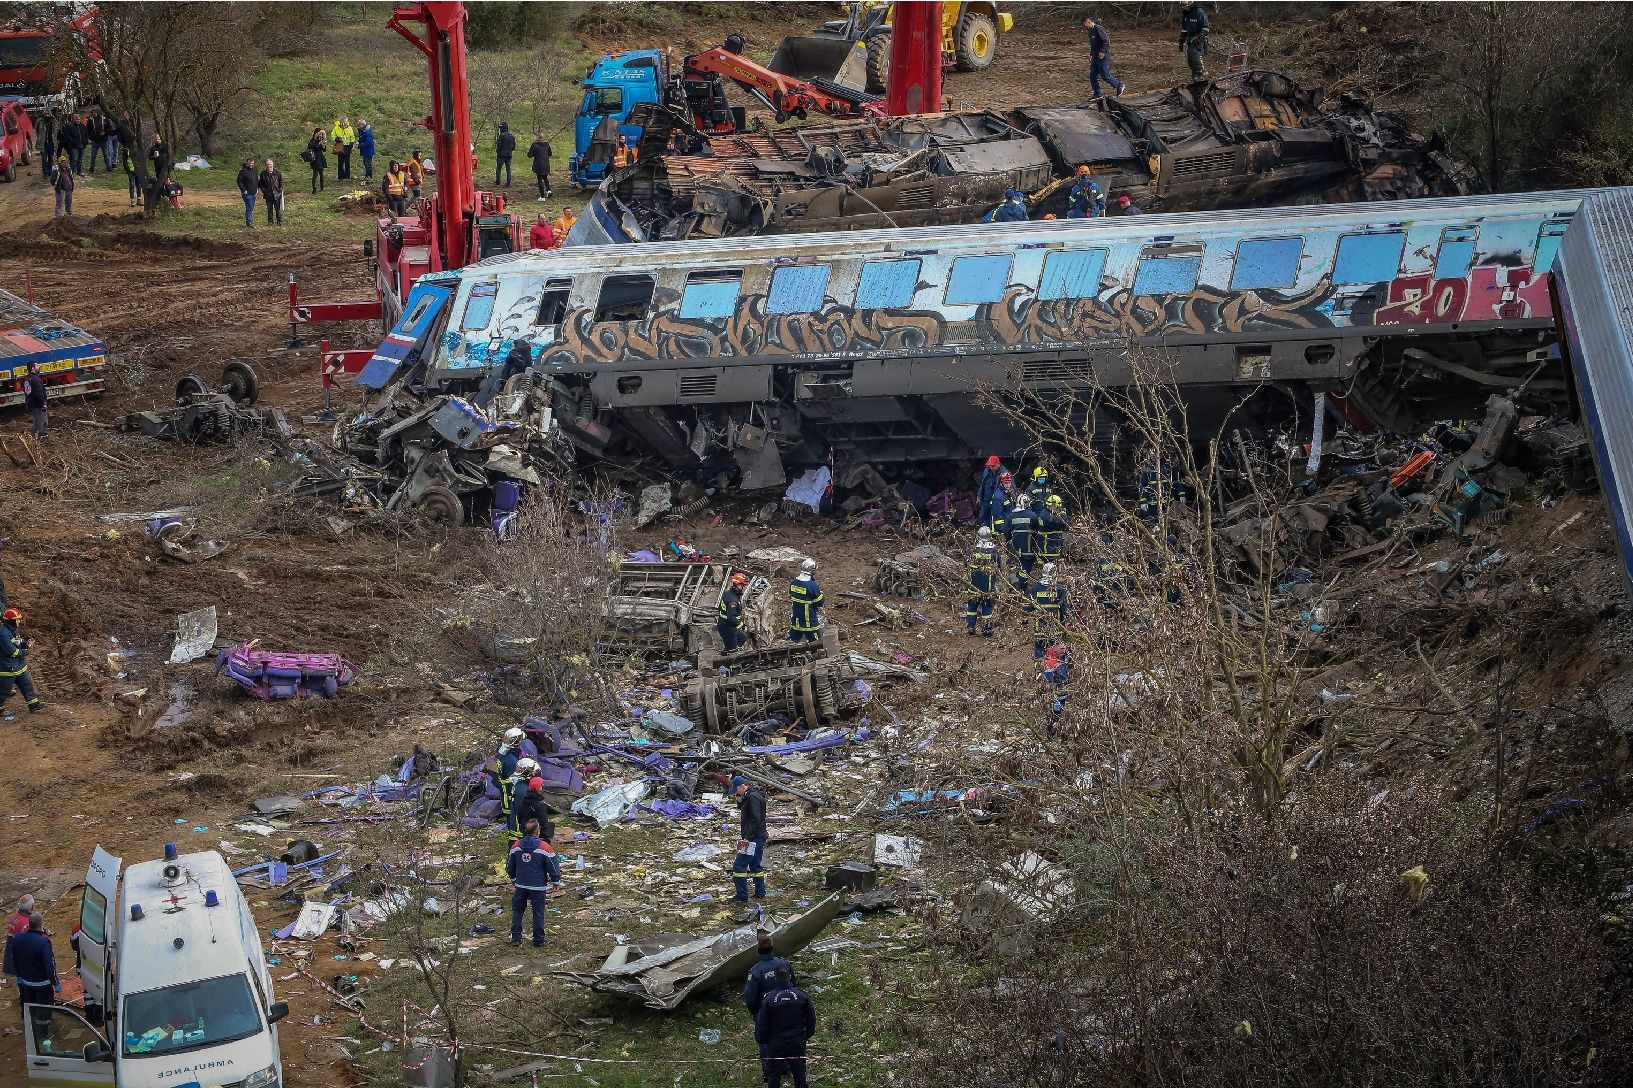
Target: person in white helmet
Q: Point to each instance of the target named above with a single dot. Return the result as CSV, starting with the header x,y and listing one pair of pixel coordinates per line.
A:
x,y
1048,600
503,768
983,582
805,601
514,789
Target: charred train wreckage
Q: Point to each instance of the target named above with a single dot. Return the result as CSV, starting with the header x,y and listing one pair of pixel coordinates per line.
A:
x,y
743,360
1247,139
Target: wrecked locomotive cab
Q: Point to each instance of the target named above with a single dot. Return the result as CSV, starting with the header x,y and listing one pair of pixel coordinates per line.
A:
x,y
441,446
1241,140
743,359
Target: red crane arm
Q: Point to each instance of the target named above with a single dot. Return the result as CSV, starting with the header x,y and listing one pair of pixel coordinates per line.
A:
x,y
442,40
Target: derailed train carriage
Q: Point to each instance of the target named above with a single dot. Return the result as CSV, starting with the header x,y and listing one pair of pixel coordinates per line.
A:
x,y
774,353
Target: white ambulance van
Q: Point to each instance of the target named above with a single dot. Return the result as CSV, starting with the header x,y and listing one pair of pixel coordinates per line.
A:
x,y
174,973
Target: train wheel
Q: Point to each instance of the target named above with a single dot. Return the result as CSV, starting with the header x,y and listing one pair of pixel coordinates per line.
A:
x,y
442,506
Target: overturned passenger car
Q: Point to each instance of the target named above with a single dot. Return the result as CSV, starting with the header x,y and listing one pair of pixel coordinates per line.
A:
x,y
1242,140
749,357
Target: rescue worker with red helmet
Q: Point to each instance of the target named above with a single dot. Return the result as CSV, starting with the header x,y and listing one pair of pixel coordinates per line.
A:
x,y
14,665
989,489
730,624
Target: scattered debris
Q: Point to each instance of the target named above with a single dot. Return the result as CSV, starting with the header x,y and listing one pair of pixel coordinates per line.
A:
x,y
268,675
195,635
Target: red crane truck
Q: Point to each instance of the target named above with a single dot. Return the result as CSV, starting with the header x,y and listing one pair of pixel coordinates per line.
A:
x,y
454,226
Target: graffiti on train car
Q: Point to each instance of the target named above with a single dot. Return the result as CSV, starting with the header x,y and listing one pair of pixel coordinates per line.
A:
x,y
1022,320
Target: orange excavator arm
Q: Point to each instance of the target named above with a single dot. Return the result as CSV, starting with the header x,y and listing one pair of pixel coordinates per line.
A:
x,y
783,95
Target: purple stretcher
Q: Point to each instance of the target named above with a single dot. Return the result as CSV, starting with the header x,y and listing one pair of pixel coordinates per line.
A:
x,y
268,675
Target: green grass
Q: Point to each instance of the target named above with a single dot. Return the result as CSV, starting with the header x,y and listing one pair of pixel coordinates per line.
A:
x,y
366,71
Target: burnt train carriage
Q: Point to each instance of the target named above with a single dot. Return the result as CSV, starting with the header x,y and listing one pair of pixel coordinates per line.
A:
x,y
879,343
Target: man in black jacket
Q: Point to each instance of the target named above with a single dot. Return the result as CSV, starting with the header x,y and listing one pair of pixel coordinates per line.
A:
x,y
34,399
158,164
1193,38
503,148
271,184
750,862
784,1025
539,152
46,127
248,186
73,139
531,806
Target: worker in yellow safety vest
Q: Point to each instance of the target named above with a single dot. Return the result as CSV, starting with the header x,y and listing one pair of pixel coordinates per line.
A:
x,y
623,154
395,185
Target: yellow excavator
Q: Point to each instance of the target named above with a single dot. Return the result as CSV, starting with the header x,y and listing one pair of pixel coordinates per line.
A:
x,y
855,51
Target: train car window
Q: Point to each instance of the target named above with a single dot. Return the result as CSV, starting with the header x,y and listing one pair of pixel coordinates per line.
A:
x,y
1166,275
1072,274
553,302
479,307
976,280
797,289
1548,244
1266,263
1368,258
624,298
887,285
711,296
1456,253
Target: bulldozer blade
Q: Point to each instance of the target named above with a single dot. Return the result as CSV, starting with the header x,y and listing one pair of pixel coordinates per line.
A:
x,y
818,56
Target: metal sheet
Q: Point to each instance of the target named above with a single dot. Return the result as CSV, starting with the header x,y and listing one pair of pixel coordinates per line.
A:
x,y
1078,134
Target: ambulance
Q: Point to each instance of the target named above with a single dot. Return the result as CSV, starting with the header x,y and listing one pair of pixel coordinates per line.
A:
x,y
177,993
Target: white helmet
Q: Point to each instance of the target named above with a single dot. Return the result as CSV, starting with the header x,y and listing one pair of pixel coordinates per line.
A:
x,y
1048,569
527,767
514,735
984,532
808,565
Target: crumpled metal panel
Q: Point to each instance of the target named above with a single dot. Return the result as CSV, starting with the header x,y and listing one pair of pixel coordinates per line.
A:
x,y
1080,135
993,158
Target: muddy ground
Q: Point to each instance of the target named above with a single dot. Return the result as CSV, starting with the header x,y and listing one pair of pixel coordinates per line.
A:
x,y
101,602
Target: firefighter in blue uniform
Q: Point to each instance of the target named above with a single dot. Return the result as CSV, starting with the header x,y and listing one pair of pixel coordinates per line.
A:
x,y
730,625
14,664
1048,601
1012,210
805,604
998,515
1038,486
1086,200
513,789
1023,538
1051,528
983,582
989,489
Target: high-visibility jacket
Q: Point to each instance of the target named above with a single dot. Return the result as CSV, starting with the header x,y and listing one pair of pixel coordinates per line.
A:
x,y
416,173
999,522
343,134
396,184
731,608
984,569
1049,602
1051,532
623,155
13,651
805,600
1023,532
563,224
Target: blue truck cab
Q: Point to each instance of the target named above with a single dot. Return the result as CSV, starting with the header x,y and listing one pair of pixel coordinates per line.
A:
x,y
615,85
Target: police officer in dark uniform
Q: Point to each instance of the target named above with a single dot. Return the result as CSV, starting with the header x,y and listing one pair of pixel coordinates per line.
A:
x,y
983,582
1193,38
784,1025
805,605
730,624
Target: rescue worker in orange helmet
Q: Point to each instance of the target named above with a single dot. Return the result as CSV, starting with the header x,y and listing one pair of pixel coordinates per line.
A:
x,y
14,665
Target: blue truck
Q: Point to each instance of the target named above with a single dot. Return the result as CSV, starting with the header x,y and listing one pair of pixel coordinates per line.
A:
x,y
615,85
